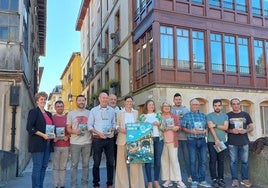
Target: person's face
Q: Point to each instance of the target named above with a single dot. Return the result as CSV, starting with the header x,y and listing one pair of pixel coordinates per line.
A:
x,y
41,102
59,107
195,105
150,107
217,107
166,108
128,103
103,98
177,101
112,101
80,102
235,105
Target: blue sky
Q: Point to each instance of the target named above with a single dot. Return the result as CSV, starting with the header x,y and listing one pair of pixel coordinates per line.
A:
x,y
61,41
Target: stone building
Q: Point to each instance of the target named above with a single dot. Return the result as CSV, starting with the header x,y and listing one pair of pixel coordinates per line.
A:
x,y
22,41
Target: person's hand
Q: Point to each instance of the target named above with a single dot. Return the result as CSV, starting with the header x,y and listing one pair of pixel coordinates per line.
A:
x,y
46,137
235,131
211,124
242,131
76,131
121,130
101,135
217,143
56,139
156,124
66,138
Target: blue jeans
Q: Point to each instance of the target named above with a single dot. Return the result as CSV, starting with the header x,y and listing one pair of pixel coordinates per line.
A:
x,y
216,162
242,151
198,152
98,146
40,163
158,147
183,157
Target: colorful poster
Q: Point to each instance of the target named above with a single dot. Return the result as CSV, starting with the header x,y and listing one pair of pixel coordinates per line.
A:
x,y
139,143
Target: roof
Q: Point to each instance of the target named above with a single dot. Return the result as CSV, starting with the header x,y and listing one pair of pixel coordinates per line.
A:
x,y
82,14
42,21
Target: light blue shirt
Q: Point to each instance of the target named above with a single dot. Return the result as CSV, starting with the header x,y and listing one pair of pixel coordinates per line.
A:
x,y
101,119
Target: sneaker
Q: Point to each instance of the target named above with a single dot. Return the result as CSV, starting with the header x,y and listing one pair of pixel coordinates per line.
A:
x,y
180,184
214,183
204,184
246,183
235,183
189,179
167,184
221,183
194,184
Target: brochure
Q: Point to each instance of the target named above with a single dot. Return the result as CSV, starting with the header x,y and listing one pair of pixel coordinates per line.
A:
x,y
168,123
50,131
221,147
82,128
107,130
60,132
198,126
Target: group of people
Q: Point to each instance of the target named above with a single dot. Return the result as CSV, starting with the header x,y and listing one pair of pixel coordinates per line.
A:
x,y
181,138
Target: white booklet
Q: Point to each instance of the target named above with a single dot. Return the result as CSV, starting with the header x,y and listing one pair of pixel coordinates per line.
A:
x,y
221,147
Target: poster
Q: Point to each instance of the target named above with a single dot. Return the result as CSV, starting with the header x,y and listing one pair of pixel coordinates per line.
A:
x,y
139,143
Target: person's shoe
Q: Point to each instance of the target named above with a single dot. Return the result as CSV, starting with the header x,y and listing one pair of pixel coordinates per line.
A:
x,y
150,185
180,184
214,183
204,184
235,183
167,184
109,186
189,179
221,183
194,184
246,183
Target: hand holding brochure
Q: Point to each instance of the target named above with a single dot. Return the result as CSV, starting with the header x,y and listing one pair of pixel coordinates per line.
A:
x,y
60,132
82,128
221,147
50,131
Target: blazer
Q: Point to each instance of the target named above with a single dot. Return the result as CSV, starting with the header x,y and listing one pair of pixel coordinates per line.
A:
x,y
121,138
36,122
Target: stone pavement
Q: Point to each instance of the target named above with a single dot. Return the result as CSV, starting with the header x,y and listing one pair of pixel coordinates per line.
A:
x,y
24,181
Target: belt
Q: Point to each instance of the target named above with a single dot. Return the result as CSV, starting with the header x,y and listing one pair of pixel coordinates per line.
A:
x,y
98,137
196,138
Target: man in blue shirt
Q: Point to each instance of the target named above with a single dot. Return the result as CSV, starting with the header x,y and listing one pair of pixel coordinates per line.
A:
x,y
194,123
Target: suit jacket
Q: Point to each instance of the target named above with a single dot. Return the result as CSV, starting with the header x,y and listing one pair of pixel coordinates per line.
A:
x,y
121,138
36,122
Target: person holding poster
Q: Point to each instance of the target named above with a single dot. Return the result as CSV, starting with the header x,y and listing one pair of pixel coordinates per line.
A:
x,y
150,116
126,115
169,160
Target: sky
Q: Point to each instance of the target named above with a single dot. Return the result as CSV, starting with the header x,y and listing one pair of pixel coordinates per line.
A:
x,y
61,41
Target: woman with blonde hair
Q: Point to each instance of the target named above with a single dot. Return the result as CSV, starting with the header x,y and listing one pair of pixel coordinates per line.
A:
x,y
169,161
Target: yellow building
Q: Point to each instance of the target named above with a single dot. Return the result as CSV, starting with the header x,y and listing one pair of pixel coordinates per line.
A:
x,y
71,82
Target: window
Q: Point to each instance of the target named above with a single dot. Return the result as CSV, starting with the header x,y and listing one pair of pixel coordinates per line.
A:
x,y
228,4
230,57
151,51
198,50
183,56
265,7
144,58
138,55
198,1
243,56
215,3
216,52
259,57
264,117
256,7
9,27
241,5
166,46
9,5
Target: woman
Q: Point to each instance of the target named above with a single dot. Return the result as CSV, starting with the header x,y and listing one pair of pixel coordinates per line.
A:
x,y
169,160
126,115
150,116
39,143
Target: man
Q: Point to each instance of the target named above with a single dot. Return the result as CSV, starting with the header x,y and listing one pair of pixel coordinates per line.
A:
x,y
194,123
113,104
61,146
183,155
102,126
240,124
80,140
218,124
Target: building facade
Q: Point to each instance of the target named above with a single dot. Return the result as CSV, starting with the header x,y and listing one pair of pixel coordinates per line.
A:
x,y
106,47
54,96
71,82
22,41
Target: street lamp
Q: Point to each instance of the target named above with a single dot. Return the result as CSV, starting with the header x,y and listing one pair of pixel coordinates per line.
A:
x,y
101,59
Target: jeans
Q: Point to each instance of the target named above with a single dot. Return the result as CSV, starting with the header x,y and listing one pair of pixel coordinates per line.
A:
x,y
40,163
216,162
242,151
198,152
183,156
75,155
60,158
98,146
158,147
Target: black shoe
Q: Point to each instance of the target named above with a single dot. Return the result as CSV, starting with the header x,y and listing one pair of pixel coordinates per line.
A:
x,y
221,183
214,183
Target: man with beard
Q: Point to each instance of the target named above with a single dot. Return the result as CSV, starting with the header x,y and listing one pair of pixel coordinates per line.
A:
x,y
80,140
218,124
